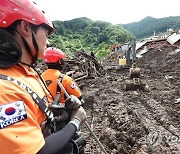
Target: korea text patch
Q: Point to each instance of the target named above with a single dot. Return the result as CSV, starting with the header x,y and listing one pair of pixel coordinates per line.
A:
x,y
12,113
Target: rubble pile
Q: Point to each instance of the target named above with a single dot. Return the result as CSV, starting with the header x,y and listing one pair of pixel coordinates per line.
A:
x,y
163,43
83,66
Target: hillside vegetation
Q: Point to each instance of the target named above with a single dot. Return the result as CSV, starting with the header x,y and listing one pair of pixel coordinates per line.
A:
x,y
147,26
83,34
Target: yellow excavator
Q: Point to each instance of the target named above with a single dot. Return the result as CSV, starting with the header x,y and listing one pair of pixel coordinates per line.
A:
x,y
129,61
129,57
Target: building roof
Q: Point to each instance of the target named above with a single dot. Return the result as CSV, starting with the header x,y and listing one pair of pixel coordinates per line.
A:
x,y
173,38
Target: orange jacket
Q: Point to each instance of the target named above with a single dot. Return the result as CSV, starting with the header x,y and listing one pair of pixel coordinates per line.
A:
x,y
51,75
25,136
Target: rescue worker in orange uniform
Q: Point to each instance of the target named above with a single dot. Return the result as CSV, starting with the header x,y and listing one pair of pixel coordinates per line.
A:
x,y
54,58
23,95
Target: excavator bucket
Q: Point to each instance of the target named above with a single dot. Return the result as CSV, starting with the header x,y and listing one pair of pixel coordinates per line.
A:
x,y
134,73
134,85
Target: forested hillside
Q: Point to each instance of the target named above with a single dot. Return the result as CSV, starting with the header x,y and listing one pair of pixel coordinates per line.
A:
x,y
84,34
147,26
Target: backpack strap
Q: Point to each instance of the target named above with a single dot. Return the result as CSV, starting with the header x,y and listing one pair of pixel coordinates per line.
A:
x,y
40,102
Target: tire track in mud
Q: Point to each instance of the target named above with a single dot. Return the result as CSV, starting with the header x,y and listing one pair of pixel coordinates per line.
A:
x,y
162,133
153,118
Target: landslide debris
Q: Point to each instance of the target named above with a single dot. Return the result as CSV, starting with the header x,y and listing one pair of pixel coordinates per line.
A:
x,y
136,122
133,122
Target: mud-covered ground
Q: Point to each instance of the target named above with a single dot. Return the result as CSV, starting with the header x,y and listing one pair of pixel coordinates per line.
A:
x,y
135,122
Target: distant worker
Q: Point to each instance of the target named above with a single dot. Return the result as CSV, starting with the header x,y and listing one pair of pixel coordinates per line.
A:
x,y
54,58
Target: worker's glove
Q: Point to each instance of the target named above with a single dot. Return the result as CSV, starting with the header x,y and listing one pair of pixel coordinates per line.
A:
x,y
64,116
78,117
72,102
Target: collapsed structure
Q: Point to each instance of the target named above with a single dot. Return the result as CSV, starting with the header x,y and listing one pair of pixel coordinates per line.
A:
x,y
82,66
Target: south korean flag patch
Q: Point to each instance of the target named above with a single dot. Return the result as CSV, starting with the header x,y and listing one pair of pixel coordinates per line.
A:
x,y
12,113
73,85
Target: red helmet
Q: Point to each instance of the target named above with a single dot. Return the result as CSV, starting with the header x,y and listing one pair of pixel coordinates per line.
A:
x,y
52,55
12,10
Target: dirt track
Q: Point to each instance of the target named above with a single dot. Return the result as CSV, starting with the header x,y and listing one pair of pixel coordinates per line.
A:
x,y
136,122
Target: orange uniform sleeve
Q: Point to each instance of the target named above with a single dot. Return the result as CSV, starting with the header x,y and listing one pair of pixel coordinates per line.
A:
x,y
71,87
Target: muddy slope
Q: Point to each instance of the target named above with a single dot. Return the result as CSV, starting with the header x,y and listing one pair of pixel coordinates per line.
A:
x,y
136,121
